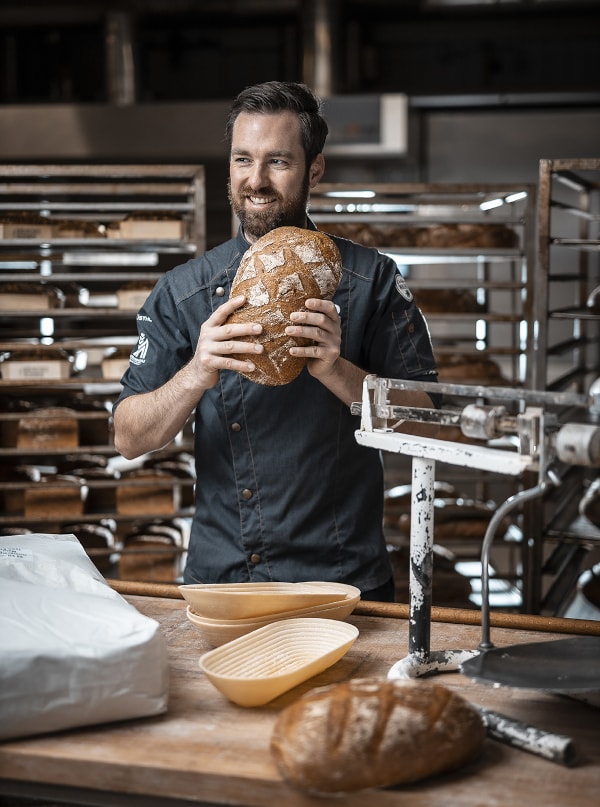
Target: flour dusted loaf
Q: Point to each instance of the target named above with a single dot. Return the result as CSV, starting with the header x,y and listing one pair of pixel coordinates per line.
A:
x,y
373,732
277,274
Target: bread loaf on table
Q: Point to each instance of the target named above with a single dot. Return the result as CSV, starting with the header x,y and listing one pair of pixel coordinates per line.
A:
x,y
374,732
277,274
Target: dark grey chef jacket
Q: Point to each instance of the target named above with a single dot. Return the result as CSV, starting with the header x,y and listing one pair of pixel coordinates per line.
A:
x,y
284,492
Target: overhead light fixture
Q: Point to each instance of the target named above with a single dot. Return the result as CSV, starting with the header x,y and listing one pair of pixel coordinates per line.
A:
x,y
491,203
351,194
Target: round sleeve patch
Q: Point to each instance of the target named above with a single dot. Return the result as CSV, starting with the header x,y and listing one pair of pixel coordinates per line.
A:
x,y
402,288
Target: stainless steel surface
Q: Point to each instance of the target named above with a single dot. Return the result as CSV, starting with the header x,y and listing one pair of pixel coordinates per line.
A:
x,y
561,665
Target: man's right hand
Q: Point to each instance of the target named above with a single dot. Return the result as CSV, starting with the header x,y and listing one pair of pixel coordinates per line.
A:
x,y
219,341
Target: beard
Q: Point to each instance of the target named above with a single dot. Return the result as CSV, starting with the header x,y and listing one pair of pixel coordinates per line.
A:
x,y
255,224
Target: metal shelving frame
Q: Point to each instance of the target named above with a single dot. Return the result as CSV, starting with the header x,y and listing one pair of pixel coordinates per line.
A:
x,y
565,357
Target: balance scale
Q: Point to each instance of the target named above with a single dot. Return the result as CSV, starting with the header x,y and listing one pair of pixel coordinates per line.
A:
x,y
534,439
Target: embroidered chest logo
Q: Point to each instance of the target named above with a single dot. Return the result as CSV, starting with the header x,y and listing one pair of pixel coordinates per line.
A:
x,y
402,288
138,356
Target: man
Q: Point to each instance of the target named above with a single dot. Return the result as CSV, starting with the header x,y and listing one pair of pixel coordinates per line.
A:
x,y
283,490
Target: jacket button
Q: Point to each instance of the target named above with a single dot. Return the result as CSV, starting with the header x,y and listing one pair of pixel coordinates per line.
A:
x,y
247,494
220,291
235,427
254,558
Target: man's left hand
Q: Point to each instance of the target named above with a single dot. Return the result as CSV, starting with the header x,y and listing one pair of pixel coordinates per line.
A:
x,y
321,324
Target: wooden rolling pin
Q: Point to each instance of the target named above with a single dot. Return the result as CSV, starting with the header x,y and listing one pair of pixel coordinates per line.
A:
x,y
456,616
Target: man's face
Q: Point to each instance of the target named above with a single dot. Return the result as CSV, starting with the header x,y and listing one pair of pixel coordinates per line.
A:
x,y
268,178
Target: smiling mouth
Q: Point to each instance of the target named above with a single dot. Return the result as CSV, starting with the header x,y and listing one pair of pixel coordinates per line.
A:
x,y
260,200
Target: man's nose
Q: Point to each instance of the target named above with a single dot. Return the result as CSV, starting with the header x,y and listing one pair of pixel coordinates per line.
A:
x,y
258,176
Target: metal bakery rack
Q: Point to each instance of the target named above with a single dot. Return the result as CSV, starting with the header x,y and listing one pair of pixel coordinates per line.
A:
x,y
514,432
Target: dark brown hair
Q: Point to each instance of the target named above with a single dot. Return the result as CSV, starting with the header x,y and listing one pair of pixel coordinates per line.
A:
x,y
277,96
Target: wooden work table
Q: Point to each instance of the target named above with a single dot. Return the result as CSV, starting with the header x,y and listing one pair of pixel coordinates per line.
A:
x,y
206,750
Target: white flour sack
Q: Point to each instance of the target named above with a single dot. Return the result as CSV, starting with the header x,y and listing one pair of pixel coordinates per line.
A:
x,y
73,651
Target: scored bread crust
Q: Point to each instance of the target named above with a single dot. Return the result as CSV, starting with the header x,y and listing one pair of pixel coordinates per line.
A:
x,y
277,274
373,732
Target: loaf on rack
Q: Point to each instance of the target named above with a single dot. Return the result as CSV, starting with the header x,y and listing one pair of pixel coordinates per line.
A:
x,y
152,551
56,496
30,296
44,429
24,224
373,732
132,295
433,236
277,274
21,476
98,540
182,468
157,226
100,479
458,518
470,236
115,362
468,368
374,234
95,418
146,491
36,363
448,301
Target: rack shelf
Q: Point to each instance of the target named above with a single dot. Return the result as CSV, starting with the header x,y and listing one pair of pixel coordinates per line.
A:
x,y
86,233
558,537
475,244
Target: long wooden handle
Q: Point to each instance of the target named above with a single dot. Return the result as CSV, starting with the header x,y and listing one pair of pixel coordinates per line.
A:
x,y
464,616
459,616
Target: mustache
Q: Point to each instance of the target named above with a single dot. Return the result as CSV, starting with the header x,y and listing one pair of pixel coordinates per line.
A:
x,y
265,190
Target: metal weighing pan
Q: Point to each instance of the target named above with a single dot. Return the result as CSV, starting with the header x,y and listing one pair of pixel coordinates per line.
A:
x,y
564,666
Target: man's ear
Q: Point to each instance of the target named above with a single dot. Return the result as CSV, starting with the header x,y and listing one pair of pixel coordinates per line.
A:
x,y
316,171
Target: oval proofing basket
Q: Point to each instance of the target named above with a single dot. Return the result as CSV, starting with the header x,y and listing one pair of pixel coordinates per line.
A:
x,y
260,666
253,600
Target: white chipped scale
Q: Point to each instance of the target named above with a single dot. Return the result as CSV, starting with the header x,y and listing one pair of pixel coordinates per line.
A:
x,y
565,667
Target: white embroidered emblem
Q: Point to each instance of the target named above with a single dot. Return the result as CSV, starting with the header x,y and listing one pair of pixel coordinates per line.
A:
x,y
402,288
138,356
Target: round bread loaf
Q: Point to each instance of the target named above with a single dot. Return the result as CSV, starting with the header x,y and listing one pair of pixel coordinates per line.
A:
x,y
277,274
373,732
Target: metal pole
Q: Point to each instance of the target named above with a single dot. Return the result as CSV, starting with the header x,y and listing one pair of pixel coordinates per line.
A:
x,y
421,556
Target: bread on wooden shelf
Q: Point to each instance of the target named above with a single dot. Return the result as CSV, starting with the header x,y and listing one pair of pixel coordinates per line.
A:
x,y
100,479
56,496
99,541
53,428
434,236
30,363
13,498
152,551
468,368
115,362
448,301
145,491
132,295
183,469
30,296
